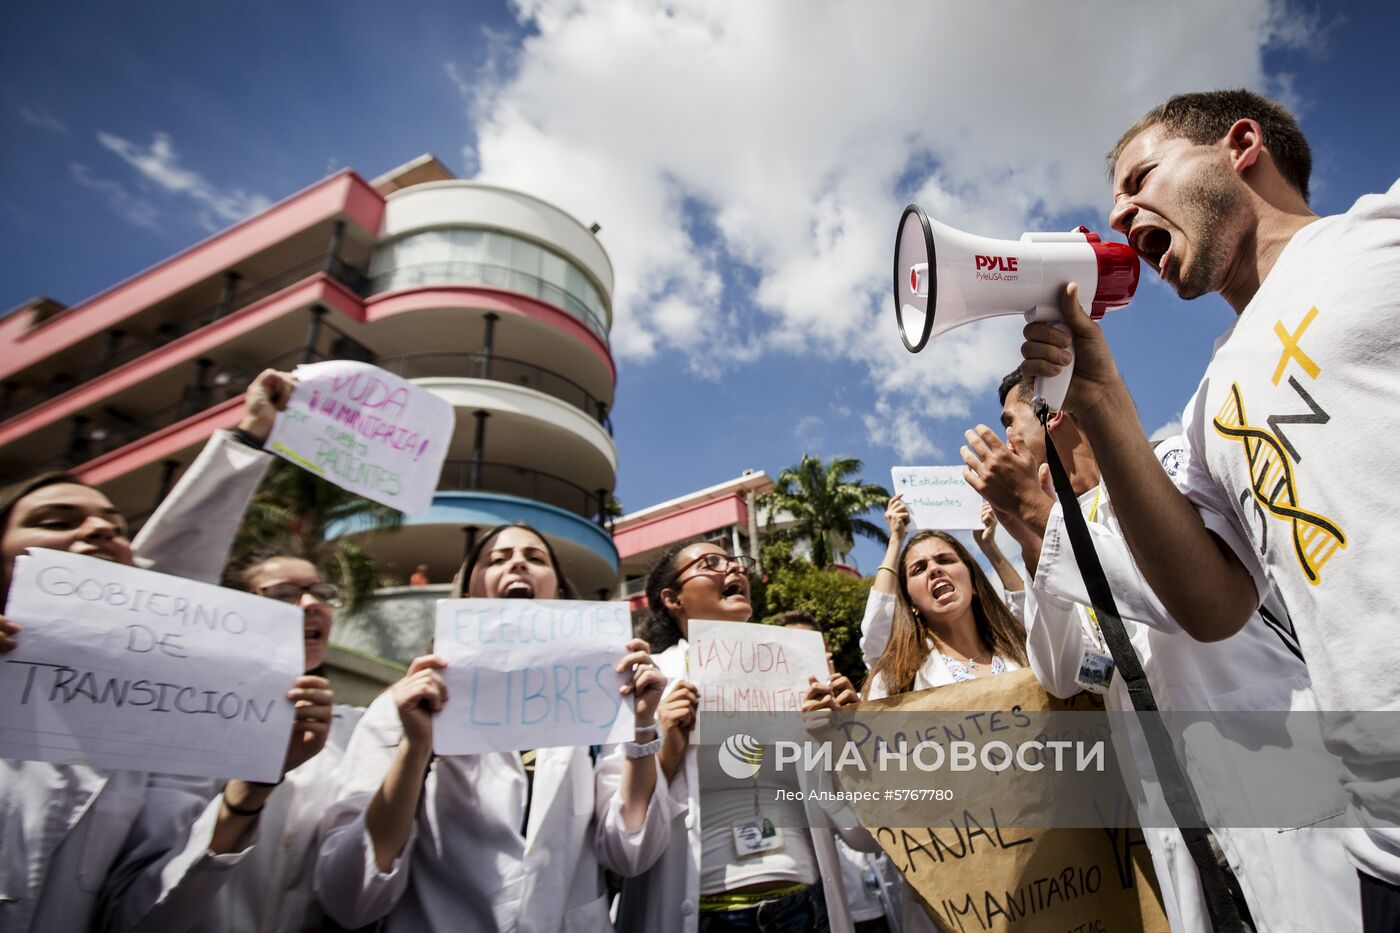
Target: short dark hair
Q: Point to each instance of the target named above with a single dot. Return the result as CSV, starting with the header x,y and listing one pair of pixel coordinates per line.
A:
x,y
11,495
797,617
1017,381
1205,116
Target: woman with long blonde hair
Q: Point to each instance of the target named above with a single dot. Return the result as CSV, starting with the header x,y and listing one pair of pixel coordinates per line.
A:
x,y
949,623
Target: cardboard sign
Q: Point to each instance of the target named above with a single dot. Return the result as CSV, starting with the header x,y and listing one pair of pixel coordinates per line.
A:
x,y
367,431
125,668
974,873
531,673
742,667
938,497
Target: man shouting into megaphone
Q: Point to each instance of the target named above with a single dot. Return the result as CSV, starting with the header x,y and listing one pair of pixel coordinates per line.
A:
x,y
1284,443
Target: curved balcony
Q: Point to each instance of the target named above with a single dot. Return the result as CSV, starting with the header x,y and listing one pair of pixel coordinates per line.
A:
x,y
512,424
466,272
482,365
470,475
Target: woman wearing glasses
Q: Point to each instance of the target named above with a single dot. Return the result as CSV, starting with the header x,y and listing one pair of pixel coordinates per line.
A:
x,y
702,881
272,890
499,841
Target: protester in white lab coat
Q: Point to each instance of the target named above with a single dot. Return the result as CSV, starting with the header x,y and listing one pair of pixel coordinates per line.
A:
x,y
271,890
700,881
879,604
943,624
1291,878
498,842
110,850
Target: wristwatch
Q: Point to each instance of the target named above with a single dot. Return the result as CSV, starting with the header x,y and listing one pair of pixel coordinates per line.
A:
x,y
642,749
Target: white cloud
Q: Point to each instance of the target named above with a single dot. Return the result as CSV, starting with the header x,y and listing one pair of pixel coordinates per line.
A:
x,y
134,210
800,130
1170,429
41,118
160,165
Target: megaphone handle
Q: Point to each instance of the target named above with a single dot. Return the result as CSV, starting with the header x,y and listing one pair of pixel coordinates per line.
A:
x,y
1052,389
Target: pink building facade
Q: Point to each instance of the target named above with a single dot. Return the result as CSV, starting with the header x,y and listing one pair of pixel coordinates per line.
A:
x,y
492,299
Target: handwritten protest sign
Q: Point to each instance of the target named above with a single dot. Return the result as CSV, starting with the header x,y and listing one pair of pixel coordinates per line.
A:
x,y
125,668
534,673
938,497
974,872
367,431
741,667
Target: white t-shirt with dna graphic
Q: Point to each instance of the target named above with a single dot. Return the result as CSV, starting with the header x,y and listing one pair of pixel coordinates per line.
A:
x,y
1292,436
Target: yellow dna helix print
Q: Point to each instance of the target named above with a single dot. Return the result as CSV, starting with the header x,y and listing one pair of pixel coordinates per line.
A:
x,y
1315,538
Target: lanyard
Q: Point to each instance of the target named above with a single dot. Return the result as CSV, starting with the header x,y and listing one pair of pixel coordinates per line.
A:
x,y
1195,831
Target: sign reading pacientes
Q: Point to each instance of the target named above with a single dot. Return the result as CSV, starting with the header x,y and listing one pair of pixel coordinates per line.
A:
x,y
742,667
938,497
124,668
975,872
531,673
367,431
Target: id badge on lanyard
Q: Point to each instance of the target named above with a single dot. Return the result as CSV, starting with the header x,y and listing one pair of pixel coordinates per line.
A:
x,y
1096,666
757,835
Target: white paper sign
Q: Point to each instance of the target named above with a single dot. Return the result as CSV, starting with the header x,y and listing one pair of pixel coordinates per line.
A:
x,y
938,497
124,668
742,667
367,431
534,673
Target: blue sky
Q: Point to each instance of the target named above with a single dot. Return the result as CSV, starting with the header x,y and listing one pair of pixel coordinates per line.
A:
x,y
747,162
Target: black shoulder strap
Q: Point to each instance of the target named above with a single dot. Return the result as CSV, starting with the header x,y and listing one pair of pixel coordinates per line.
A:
x,y
1223,914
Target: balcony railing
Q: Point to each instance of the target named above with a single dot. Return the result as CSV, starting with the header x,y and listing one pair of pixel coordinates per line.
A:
x,y
118,429
531,484
21,400
481,365
493,276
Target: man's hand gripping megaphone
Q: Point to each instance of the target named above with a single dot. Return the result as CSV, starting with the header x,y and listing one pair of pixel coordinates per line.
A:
x,y
1046,352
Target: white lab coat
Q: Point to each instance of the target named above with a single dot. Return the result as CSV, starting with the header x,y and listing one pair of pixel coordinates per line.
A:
x,y
190,532
120,850
1293,879
666,898
466,866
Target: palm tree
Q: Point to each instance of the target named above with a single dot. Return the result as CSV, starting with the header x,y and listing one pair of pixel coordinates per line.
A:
x,y
292,511
824,500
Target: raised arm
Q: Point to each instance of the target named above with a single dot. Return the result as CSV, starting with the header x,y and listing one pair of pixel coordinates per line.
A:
x,y
1199,579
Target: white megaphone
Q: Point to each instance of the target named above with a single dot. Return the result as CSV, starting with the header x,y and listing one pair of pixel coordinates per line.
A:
x,y
944,278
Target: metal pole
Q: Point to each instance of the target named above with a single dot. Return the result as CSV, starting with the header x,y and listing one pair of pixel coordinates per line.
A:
x,y
226,299
753,530
167,480
478,447
333,254
313,334
489,344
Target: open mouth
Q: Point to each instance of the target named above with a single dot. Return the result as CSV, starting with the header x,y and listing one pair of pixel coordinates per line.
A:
x,y
942,588
312,634
1154,245
518,589
734,588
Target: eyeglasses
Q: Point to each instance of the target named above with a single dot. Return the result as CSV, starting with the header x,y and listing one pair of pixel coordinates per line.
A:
x,y
718,563
327,593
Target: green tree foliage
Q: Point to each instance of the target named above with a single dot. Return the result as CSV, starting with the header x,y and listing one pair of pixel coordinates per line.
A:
x,y
826,500
291,511
835,599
